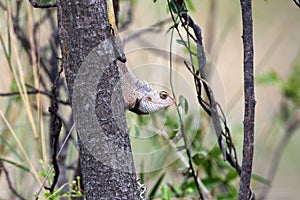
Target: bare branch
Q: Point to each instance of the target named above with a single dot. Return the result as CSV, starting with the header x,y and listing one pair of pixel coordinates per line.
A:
x,y
33,92
12,189
289,131
248,147
56,124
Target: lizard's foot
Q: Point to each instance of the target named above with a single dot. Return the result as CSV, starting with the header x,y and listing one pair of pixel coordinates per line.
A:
x,y
122,58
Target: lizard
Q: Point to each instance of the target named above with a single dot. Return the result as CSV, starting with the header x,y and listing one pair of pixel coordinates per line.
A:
x,y
139,96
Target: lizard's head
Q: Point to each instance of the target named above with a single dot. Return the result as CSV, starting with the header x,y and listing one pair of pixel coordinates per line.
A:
x,y
155,101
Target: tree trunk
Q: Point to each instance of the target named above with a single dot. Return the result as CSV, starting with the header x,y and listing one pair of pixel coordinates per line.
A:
x,y
91,71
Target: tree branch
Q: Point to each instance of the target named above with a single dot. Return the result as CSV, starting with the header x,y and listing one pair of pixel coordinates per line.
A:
x,y
245,191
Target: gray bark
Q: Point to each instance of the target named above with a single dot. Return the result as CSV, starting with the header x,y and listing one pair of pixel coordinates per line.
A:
x,y
88,59
245,191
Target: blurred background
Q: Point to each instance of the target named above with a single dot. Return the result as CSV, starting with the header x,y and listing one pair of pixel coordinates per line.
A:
x,y
147,46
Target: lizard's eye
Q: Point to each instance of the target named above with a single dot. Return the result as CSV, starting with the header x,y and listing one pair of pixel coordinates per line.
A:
x,y
149,99
163,95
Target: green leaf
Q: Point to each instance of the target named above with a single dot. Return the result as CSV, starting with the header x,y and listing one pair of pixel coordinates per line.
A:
x,y
182,42
6,52
268,78
199,157
190,5
261,179
231,175
291,88
156,185
11,148
215,153
184,104
178,9
165,193
232,193
27,169
211,182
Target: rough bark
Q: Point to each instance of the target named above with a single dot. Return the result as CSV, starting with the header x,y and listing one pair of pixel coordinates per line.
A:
x,y
245,191
88,61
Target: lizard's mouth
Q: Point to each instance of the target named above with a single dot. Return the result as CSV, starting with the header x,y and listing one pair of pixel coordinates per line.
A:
x,y
173,100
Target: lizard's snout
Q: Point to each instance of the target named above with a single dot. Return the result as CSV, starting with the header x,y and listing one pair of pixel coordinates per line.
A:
x,y
173,100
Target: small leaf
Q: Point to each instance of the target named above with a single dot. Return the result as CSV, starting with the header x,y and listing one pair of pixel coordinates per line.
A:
x,y
165,193
184,104
231,175
190,5
268,78
180,41
199,158
291,87
178,9
16,164
156,186
261,179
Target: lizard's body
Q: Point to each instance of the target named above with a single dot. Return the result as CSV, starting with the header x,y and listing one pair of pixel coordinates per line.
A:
x,y
139,96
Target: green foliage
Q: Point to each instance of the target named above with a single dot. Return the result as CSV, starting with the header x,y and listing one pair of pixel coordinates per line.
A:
x,y
190,5
289,87
47,172
74,186
270,78
215,172
165,193
156,186
178,9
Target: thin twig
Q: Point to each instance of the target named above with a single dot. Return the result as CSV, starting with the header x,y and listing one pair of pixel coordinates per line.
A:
x,y
12,189
289,131
125,24
33,92
57,156
184,136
